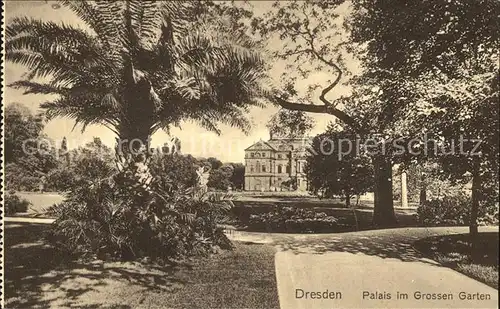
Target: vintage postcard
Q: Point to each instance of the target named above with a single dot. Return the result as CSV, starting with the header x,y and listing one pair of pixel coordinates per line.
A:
x,y
250,154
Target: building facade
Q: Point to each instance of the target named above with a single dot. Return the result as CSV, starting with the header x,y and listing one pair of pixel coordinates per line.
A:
x,y
276,165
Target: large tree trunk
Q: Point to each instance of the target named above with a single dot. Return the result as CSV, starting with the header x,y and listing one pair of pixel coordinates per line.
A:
x,y
353,208
138,111
135,128
383,212
423,194
476,188
423,190
348,200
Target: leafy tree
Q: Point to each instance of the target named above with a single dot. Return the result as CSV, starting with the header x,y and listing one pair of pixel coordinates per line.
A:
x,y
214,162
143,66
29,154
335,170
290,123
238,177
175,171
466,122
220,178
397,43
314,40
21,126
86,163
445,54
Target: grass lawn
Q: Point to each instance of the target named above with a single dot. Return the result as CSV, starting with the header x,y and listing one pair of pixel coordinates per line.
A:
x,y
455,252
36,276
40,201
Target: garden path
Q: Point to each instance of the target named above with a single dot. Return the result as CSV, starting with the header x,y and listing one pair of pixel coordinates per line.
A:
x,y
374,264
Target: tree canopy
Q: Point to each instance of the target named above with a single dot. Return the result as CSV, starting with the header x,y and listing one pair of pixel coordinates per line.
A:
x,y
143,66
290,123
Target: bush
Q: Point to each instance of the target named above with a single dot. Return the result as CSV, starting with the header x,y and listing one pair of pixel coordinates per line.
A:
x,y
14,204
19,179
453,210
60,179
174,170
293,220
123,215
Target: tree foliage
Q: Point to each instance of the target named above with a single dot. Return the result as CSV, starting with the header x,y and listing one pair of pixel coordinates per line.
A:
x,y
238,176
290,123
408,51
89,161
315,40
29,154
221,178
21,126
334,169
214,163
118,214
174,170
143,66
442,60
415,37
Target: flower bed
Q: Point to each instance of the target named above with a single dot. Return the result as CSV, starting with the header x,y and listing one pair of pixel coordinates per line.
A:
x,y
293,220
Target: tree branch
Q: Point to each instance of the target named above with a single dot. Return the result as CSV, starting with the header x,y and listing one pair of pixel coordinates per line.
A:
x,y
325,61
320,109
328,107
292,53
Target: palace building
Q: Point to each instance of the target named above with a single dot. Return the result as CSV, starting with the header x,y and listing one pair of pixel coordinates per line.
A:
x,y
276,165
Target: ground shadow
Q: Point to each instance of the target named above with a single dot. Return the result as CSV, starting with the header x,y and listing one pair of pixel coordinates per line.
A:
x,y
375,246
37,275
486,249
456,251
396,243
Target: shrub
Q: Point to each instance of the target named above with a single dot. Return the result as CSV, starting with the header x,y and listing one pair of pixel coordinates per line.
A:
x,y
14,204
453,210
174,170
19,179
123,215
293,220
60,179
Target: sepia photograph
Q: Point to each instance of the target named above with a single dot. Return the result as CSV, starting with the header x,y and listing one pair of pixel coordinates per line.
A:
x,y
250,154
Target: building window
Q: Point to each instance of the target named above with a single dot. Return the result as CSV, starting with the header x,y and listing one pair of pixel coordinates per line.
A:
x,y
280,169
251,169
279,155
258,166
263,168
252,155
288,169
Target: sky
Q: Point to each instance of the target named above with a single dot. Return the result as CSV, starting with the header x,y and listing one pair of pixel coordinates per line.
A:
x,y
228,146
